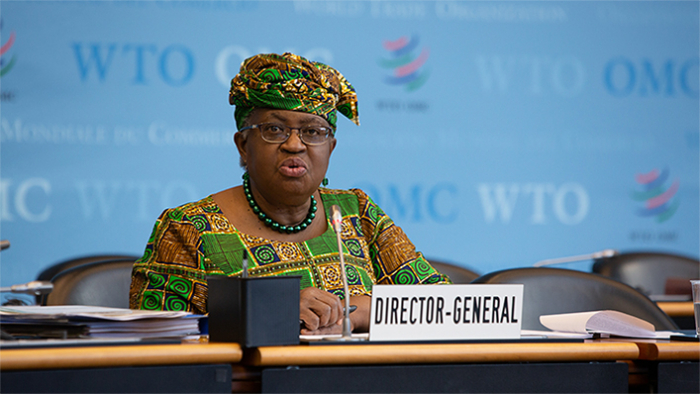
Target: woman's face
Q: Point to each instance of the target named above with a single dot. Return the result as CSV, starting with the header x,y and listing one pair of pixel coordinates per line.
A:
x,y
288,172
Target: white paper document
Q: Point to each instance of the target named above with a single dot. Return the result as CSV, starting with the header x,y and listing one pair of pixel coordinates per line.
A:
x,y
554,334
86,311
106,322
606,323
332,337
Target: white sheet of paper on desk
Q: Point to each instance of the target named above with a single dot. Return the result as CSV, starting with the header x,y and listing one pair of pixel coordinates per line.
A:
x,y
108,322
86,311
187,324
554,334
331,337
604,322
147,328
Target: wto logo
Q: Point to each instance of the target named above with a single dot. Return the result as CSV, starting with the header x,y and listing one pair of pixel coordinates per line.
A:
x,y
5,68
658,199
407,66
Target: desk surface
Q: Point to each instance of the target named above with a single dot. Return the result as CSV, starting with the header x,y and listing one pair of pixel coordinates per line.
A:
x,y
677,309
351,354
661,350
114,356
356,354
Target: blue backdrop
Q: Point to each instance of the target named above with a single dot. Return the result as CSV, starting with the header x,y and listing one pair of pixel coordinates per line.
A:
x,y
496,134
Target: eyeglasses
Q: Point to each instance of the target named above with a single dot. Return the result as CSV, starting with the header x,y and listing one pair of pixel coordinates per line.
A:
x,y
276,133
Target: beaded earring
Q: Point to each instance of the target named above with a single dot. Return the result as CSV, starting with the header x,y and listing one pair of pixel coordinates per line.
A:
x,y
324,182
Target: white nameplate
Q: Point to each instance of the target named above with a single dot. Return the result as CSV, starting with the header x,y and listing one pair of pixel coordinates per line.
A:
x,y
445,312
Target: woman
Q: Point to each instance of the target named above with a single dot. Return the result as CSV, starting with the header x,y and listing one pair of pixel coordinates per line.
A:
x,y
286,118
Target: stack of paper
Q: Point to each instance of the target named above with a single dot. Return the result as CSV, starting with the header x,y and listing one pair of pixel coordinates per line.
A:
x,y
102,321
604,323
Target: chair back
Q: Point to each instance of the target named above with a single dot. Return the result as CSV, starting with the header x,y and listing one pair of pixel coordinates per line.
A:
x,y
101,283
649,272
49,272
556,290
456,273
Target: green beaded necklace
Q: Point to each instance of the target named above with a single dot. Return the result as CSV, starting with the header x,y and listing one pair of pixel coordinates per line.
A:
x,y
271,223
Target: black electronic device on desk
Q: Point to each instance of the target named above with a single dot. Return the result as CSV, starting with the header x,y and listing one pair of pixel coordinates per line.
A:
x,y
260,311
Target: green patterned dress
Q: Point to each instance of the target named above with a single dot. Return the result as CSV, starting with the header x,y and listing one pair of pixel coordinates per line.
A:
x,y
196,240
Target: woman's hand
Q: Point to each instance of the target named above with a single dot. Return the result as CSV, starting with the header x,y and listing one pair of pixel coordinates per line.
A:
x,y
321,312
360,318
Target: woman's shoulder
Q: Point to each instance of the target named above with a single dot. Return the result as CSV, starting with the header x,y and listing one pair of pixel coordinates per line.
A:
x,y
355,200
354,197
204,206
344,193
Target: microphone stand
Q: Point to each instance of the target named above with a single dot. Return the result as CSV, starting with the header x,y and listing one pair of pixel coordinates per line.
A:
x,y
35,287
346,310
336,220
592,256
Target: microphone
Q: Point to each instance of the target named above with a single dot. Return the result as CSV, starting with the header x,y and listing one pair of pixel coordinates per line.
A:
x,y
592,256
244,263
36,287
336,220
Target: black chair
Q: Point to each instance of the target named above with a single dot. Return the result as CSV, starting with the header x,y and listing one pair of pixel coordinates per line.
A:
x,y
48,273
456,273
101,283
650,272
555,290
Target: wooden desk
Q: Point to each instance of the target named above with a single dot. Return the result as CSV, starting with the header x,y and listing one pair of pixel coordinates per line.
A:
x,y
131,368
465,367
118,356
668,366
662,350
440,353
590,366
677,309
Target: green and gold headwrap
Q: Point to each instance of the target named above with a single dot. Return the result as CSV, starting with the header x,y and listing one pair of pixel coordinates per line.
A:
x,y
293,83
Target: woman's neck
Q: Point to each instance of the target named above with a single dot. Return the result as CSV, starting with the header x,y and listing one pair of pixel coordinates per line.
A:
x,y
237,210
290,212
